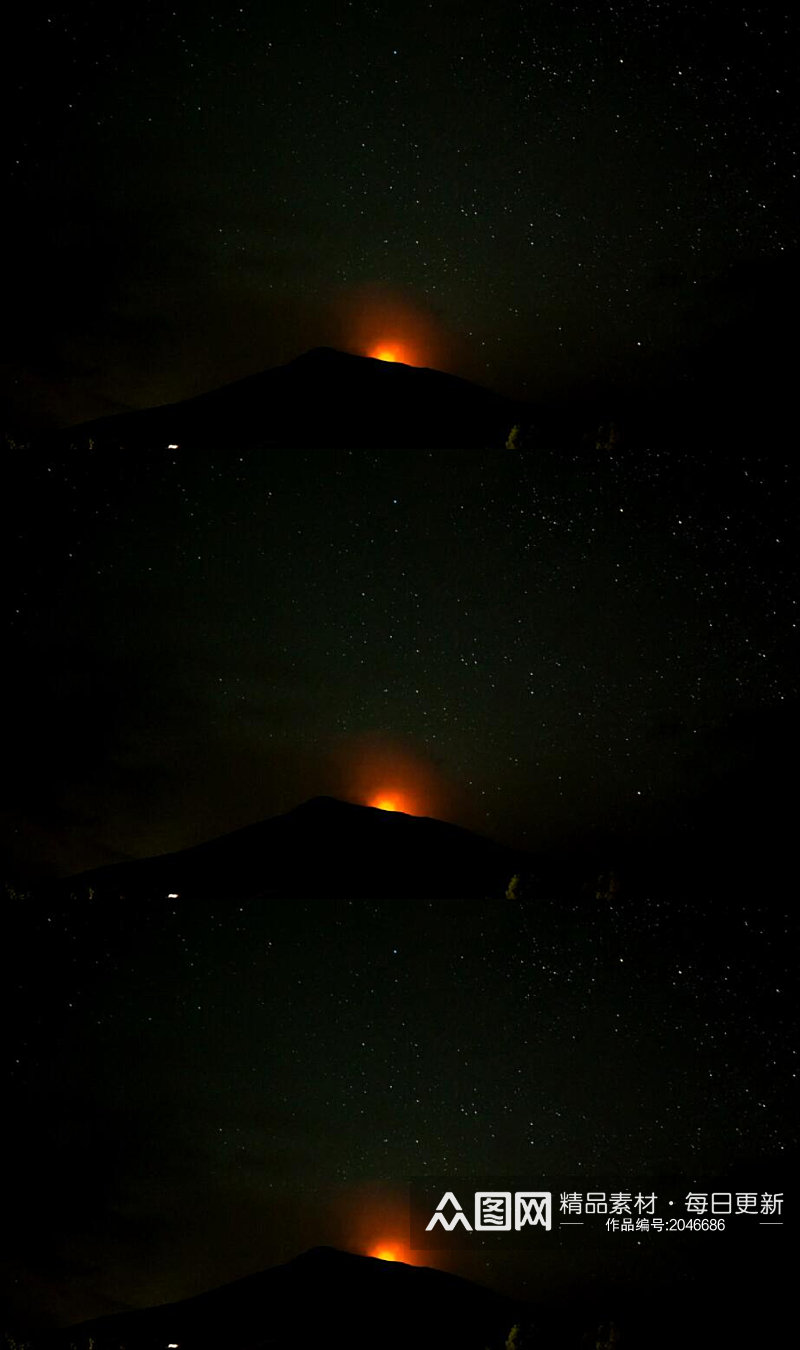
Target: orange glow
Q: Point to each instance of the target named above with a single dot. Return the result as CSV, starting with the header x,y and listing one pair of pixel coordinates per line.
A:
x,y
387,325
379,771
374,1219
387,804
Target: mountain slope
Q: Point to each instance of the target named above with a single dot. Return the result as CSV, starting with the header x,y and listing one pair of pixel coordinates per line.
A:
x,y
324,1297
324,398
324,848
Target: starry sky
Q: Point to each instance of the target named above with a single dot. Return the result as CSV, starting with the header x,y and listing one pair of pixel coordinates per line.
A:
x,y
545,197
588,651
539,645
202,1091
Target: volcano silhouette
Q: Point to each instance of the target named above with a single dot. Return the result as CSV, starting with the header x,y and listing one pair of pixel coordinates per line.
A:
x,y
324,1297
325,848
328,399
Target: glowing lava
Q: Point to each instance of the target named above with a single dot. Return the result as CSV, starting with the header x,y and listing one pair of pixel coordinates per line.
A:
x,y
384,354
379,772
384,323
386,1254
386,803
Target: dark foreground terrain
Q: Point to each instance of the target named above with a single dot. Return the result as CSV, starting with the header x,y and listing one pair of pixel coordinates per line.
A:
x,y
324,848
322,398
331,1297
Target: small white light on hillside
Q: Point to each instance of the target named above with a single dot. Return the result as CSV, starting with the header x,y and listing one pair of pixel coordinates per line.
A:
x,y
173,895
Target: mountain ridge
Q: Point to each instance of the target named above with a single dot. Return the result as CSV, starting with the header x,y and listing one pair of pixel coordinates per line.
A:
x,y
324,1290
323,847
323,398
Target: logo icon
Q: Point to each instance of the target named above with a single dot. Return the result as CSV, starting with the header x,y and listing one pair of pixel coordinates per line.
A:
x,y
494,1210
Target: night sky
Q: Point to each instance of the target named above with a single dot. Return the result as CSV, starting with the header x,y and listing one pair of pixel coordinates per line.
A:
x,y
536,196
585,650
